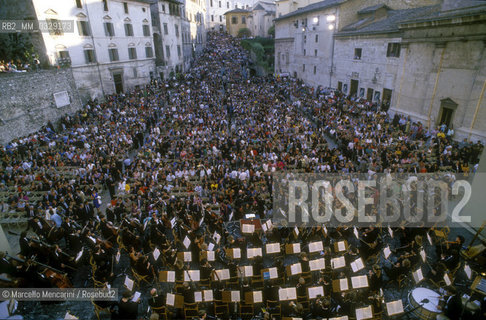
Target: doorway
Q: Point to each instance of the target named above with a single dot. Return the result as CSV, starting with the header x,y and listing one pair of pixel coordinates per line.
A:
x,y
353,89
340,86
118,80
387,94
446,113
369,94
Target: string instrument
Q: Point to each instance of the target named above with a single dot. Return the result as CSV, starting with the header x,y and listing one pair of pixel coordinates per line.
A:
x,y
42,243
56,277
371,245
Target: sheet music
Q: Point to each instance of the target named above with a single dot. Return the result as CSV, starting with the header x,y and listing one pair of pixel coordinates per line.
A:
x,y
191,275
394,307
356,234
296,230
170,299
273,273
296,268
208,295
128,283
315,291
210,246
237,253
273,247
325,229
198,296
359,282
317,264
267,226
468,271
341,246
187,256
417,275
211,255
287,294
173,222
364,313
156,254
343,284
257,297
386,252
296,247
339,318
390,231
136,296
186,242
422,254
247,228
235,296
316,246
447,280
216,237
357,264
68,316
337,263
170,276
254,252
246,271
222,274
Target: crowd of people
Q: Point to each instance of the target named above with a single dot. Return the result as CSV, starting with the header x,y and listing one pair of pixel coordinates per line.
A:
x,y
186,162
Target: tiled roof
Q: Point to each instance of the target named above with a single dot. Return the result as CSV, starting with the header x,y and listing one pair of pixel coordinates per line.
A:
x,y
389,23
237,10
312,7
372,9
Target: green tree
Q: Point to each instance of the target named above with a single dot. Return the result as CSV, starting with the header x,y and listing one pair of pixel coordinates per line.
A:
x,y
16,46
271,31
244,33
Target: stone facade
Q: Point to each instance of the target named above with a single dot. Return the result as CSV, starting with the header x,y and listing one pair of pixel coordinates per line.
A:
x,y
27,101
443,75
169,35
371,73
194,25
215,12
236,20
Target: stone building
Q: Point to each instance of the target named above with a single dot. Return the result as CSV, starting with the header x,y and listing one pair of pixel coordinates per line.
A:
x,y
261,18
442,76
110,49
424,59
169,36
304,37
216,9
236,20
194,27
257,19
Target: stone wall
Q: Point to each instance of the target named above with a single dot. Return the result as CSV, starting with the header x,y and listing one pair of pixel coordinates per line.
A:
x,y
27,101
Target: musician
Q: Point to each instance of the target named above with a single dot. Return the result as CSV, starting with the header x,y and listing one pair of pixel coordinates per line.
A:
x,y
58,259
127,309
5,265
321,308
205,269
375,278
25,245
156,301
453,304
397,269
